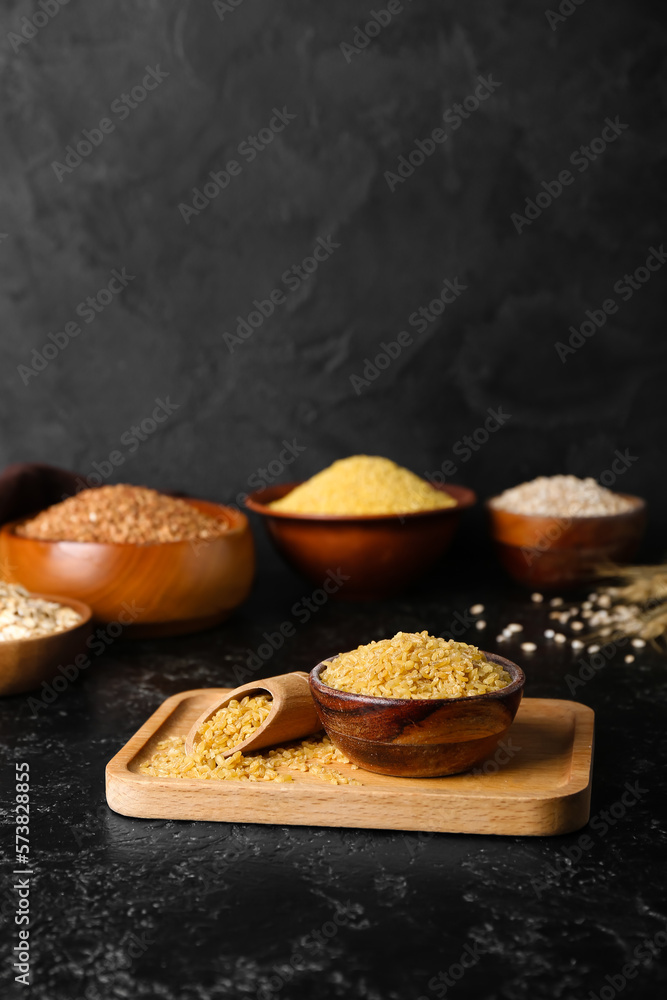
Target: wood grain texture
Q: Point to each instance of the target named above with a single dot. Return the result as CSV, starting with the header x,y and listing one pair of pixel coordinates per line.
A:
x,y
418,737
26,663
293,713
550,552
162,589
543,789
378,555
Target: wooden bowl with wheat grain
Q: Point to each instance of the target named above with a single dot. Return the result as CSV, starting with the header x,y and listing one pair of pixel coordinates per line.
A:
x,y
152,589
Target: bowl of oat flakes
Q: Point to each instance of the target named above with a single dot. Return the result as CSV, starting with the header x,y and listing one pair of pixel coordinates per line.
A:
x,y
38,634
147,563
553,531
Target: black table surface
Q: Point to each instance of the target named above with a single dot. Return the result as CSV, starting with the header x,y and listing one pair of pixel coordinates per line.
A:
x,y
130,908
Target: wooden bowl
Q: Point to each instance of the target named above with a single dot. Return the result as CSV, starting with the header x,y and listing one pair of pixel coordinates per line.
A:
x,y
420,737
552,553
374,555
26,663
161,589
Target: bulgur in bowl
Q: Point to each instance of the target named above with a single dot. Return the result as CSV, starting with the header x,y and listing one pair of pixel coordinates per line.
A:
x,y
416,736
373,555
154,584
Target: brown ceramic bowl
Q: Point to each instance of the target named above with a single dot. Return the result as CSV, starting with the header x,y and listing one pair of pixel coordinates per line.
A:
x,y
26,663
380,554
162,589
552,553
418,738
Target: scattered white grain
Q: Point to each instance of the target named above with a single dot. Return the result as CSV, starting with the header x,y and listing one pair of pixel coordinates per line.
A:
x,y
593,649
537,598
577,644
556,602
559,637
639,643
576,626
549,633
477,609
514,627
500,638
604,601
629,658
480,624
528,647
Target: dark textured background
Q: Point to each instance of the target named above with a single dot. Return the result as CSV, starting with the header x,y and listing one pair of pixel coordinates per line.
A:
x,y
324,174
195,892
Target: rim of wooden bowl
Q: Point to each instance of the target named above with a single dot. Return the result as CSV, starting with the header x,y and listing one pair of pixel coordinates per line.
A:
x,y
466,498
234,528
515,671
639,504
74,603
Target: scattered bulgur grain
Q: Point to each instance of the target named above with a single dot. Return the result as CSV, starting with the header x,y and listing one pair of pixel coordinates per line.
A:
x,y
122,514
230,726
415,665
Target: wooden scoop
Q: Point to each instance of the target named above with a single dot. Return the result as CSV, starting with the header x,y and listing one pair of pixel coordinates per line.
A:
x,y
293,714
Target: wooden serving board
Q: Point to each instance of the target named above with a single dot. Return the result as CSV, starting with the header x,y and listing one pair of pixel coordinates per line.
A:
x,y
543,789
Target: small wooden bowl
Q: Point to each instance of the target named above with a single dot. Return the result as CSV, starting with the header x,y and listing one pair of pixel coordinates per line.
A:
x,y
376,555
552,553
418,738
161,589
26,663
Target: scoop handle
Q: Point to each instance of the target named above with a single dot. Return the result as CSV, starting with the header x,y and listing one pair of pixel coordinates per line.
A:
x,y
292,717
